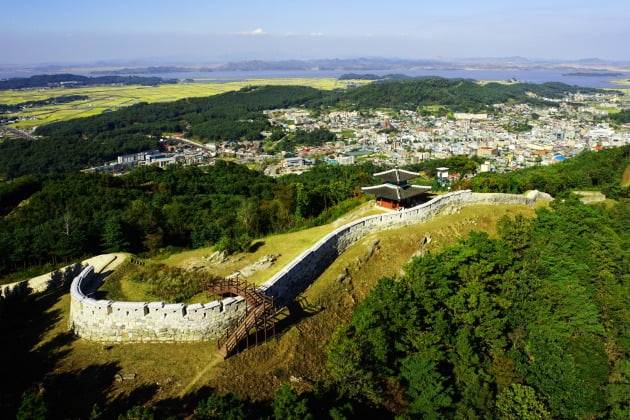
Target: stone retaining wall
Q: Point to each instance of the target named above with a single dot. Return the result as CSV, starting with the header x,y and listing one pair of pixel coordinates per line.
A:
x,y
106,321
293,279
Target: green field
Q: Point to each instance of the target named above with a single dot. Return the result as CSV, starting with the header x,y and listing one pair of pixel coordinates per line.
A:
x,y
622,82
103,98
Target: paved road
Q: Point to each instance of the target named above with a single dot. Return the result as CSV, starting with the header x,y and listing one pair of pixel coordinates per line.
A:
x,y
18,133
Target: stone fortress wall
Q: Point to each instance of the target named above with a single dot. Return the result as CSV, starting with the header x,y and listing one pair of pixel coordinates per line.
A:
x,y
108,321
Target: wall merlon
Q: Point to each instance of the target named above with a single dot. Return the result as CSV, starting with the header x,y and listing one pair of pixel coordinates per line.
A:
x,y
174,310
215,305
129,309
155,305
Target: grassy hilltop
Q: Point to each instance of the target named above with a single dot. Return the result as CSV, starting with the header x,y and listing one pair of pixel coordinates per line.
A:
x,y
183,369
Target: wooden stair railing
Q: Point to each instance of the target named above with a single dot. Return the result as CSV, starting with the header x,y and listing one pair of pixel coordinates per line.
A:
x,y
259,316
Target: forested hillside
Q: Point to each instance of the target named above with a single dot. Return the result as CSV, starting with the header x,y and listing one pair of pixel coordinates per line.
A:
x,y
202,117
456,94
56,218
589,170
74,80
532,324
77,144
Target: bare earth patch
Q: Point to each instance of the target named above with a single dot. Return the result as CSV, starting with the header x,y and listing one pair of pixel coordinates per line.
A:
x,y
588,197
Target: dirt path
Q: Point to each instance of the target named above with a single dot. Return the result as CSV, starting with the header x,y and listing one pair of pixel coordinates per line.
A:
x,y
213,362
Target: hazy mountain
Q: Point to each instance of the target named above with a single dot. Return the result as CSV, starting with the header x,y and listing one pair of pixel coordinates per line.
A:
x,y
152,65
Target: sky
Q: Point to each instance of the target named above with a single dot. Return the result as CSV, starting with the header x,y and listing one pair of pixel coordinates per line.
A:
x,y
208,31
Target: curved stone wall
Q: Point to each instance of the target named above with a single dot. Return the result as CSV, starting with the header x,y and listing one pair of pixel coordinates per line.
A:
x,y
293,279
104,320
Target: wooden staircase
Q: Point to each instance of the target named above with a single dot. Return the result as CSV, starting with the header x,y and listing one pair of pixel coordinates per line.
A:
x,y
258,322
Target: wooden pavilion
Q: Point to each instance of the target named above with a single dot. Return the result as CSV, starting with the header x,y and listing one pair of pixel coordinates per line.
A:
x,y
396,193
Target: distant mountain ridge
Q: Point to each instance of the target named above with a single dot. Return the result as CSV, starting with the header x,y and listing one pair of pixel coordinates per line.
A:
x,y
594,74
73,80
383,64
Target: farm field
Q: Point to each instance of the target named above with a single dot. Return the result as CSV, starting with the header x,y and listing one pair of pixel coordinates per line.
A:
x,y
111,98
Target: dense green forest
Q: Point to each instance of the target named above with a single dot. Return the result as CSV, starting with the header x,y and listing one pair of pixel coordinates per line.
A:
x,y
57,218
461,165
73,80
456,94
193,115
622,117
316,137
588,170
20,157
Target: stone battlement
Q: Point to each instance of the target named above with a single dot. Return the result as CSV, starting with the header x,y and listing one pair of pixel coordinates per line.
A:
x,y
107,321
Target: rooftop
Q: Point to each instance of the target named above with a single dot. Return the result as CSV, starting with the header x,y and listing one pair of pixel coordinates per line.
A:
x,y
396,176
396,192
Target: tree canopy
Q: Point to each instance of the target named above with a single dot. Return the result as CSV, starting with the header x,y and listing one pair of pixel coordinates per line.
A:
x,y
589,170
55,218
533,322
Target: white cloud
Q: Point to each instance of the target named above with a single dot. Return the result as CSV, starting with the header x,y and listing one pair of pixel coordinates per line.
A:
x,y
316,34
255,32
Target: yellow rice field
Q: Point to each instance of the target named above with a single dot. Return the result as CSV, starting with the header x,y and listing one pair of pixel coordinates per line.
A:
x,y
104,98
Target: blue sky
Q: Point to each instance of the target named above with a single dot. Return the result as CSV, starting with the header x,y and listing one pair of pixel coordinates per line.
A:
x,y
63,31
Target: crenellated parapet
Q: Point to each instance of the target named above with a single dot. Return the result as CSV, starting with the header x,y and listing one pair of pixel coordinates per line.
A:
x,y
106,320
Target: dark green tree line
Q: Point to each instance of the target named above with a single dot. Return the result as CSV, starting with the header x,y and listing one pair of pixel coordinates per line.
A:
x,y
57,218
